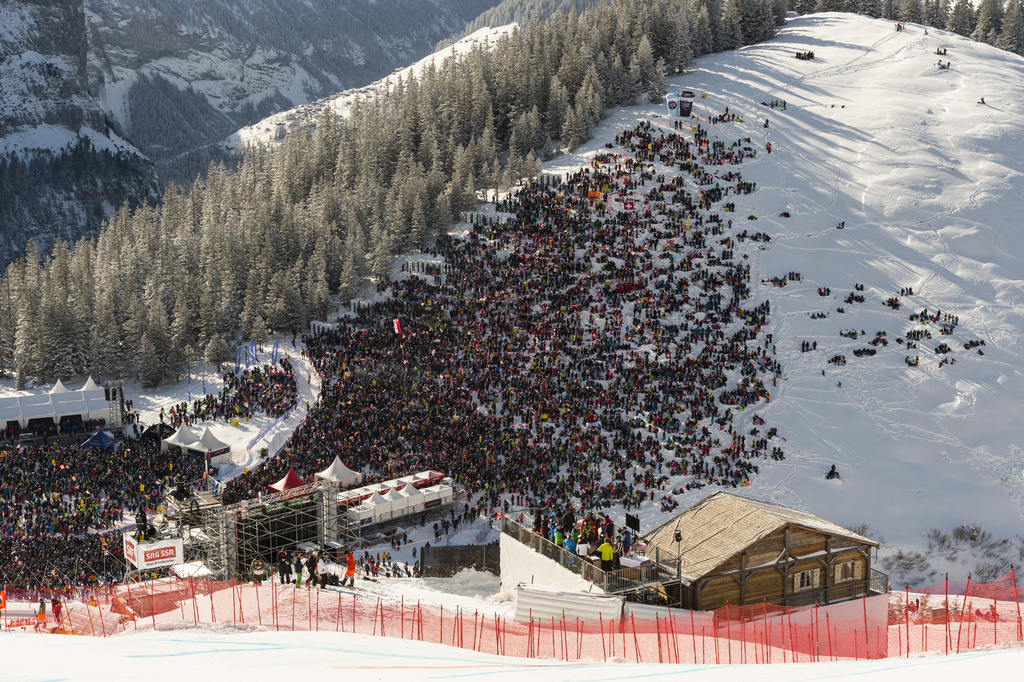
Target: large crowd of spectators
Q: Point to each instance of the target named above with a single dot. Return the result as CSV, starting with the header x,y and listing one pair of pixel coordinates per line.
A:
x,y
268,389
594,340
62,504
580,350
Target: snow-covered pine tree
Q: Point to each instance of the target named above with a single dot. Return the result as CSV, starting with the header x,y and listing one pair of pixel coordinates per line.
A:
x,y
656,86
149,367
937,13
961,18
641,71
989,23
27,342
217,352
911,11
1011,38
574,129
779,9
700,31
731,33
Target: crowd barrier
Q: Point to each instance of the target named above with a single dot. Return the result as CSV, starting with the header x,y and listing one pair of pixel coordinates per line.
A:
x,y
951,617
890,626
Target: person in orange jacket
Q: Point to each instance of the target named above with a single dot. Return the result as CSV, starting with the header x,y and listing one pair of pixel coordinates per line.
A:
x,y
350,569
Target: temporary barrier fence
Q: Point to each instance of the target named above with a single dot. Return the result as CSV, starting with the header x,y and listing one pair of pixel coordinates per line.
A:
x,y
860,629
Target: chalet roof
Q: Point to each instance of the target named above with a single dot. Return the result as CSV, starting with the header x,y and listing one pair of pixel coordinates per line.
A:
x,y
722,525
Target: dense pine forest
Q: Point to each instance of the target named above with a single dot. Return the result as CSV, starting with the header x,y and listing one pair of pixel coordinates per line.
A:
x,y
268,245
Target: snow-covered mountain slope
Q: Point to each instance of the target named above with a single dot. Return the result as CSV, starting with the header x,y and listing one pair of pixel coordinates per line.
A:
x,y
179,74
928,184
62,167
273,127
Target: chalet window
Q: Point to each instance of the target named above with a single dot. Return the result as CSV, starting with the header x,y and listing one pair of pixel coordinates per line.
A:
x,y
806,580
844,571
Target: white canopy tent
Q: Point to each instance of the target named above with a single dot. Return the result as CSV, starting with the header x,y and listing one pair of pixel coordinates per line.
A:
x,y
398,501
414,498
58,402
36,406
381,507
184,437
340,475
210,443
10,410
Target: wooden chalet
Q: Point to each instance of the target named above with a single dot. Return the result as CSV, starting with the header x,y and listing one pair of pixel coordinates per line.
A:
x,y
737,551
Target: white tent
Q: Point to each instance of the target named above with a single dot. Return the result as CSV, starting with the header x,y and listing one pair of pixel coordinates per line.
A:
x,y
398,501
340,475
70,403
36,406
361,514
184,437
210,443
95,401
10,410
381,507
414,498
437,495
87,403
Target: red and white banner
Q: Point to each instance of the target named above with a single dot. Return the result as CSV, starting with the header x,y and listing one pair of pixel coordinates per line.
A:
x,y
130,549
153,554
398,326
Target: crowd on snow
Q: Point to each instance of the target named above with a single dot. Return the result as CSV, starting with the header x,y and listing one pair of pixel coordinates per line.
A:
x,y
268,389
61,503
593,341
58,503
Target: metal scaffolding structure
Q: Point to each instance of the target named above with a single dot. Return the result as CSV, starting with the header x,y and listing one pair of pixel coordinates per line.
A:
x,y
302,518
227,539
113,391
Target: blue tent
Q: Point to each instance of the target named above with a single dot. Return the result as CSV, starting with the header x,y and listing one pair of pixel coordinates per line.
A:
x,y
100,439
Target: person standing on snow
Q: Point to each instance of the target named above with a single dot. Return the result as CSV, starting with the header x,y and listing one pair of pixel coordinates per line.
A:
x,y
350,569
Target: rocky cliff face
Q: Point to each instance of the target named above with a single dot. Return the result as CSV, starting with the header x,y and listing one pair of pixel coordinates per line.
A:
x,y
62,168
179,75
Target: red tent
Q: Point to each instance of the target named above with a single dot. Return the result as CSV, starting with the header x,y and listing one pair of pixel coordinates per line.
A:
x,y
290,480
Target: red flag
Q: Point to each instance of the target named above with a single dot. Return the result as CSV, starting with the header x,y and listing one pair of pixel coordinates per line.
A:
x,y
398,326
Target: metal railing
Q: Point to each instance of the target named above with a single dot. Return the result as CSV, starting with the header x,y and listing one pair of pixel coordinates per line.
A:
x,y
622,581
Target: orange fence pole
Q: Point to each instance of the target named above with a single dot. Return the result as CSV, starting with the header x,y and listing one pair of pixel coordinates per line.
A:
x,y
1016,598
963,610
949,635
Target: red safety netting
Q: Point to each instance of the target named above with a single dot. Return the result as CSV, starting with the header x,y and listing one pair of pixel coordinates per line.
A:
x,y
868,628
950,617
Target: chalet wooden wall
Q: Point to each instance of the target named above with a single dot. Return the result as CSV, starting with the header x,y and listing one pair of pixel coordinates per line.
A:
x,y
768,570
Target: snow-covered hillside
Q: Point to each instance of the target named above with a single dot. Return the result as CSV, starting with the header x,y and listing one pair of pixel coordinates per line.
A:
x,y
274,127
929,184
925,181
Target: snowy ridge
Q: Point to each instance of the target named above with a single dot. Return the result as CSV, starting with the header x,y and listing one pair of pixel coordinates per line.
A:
x,y
273,127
